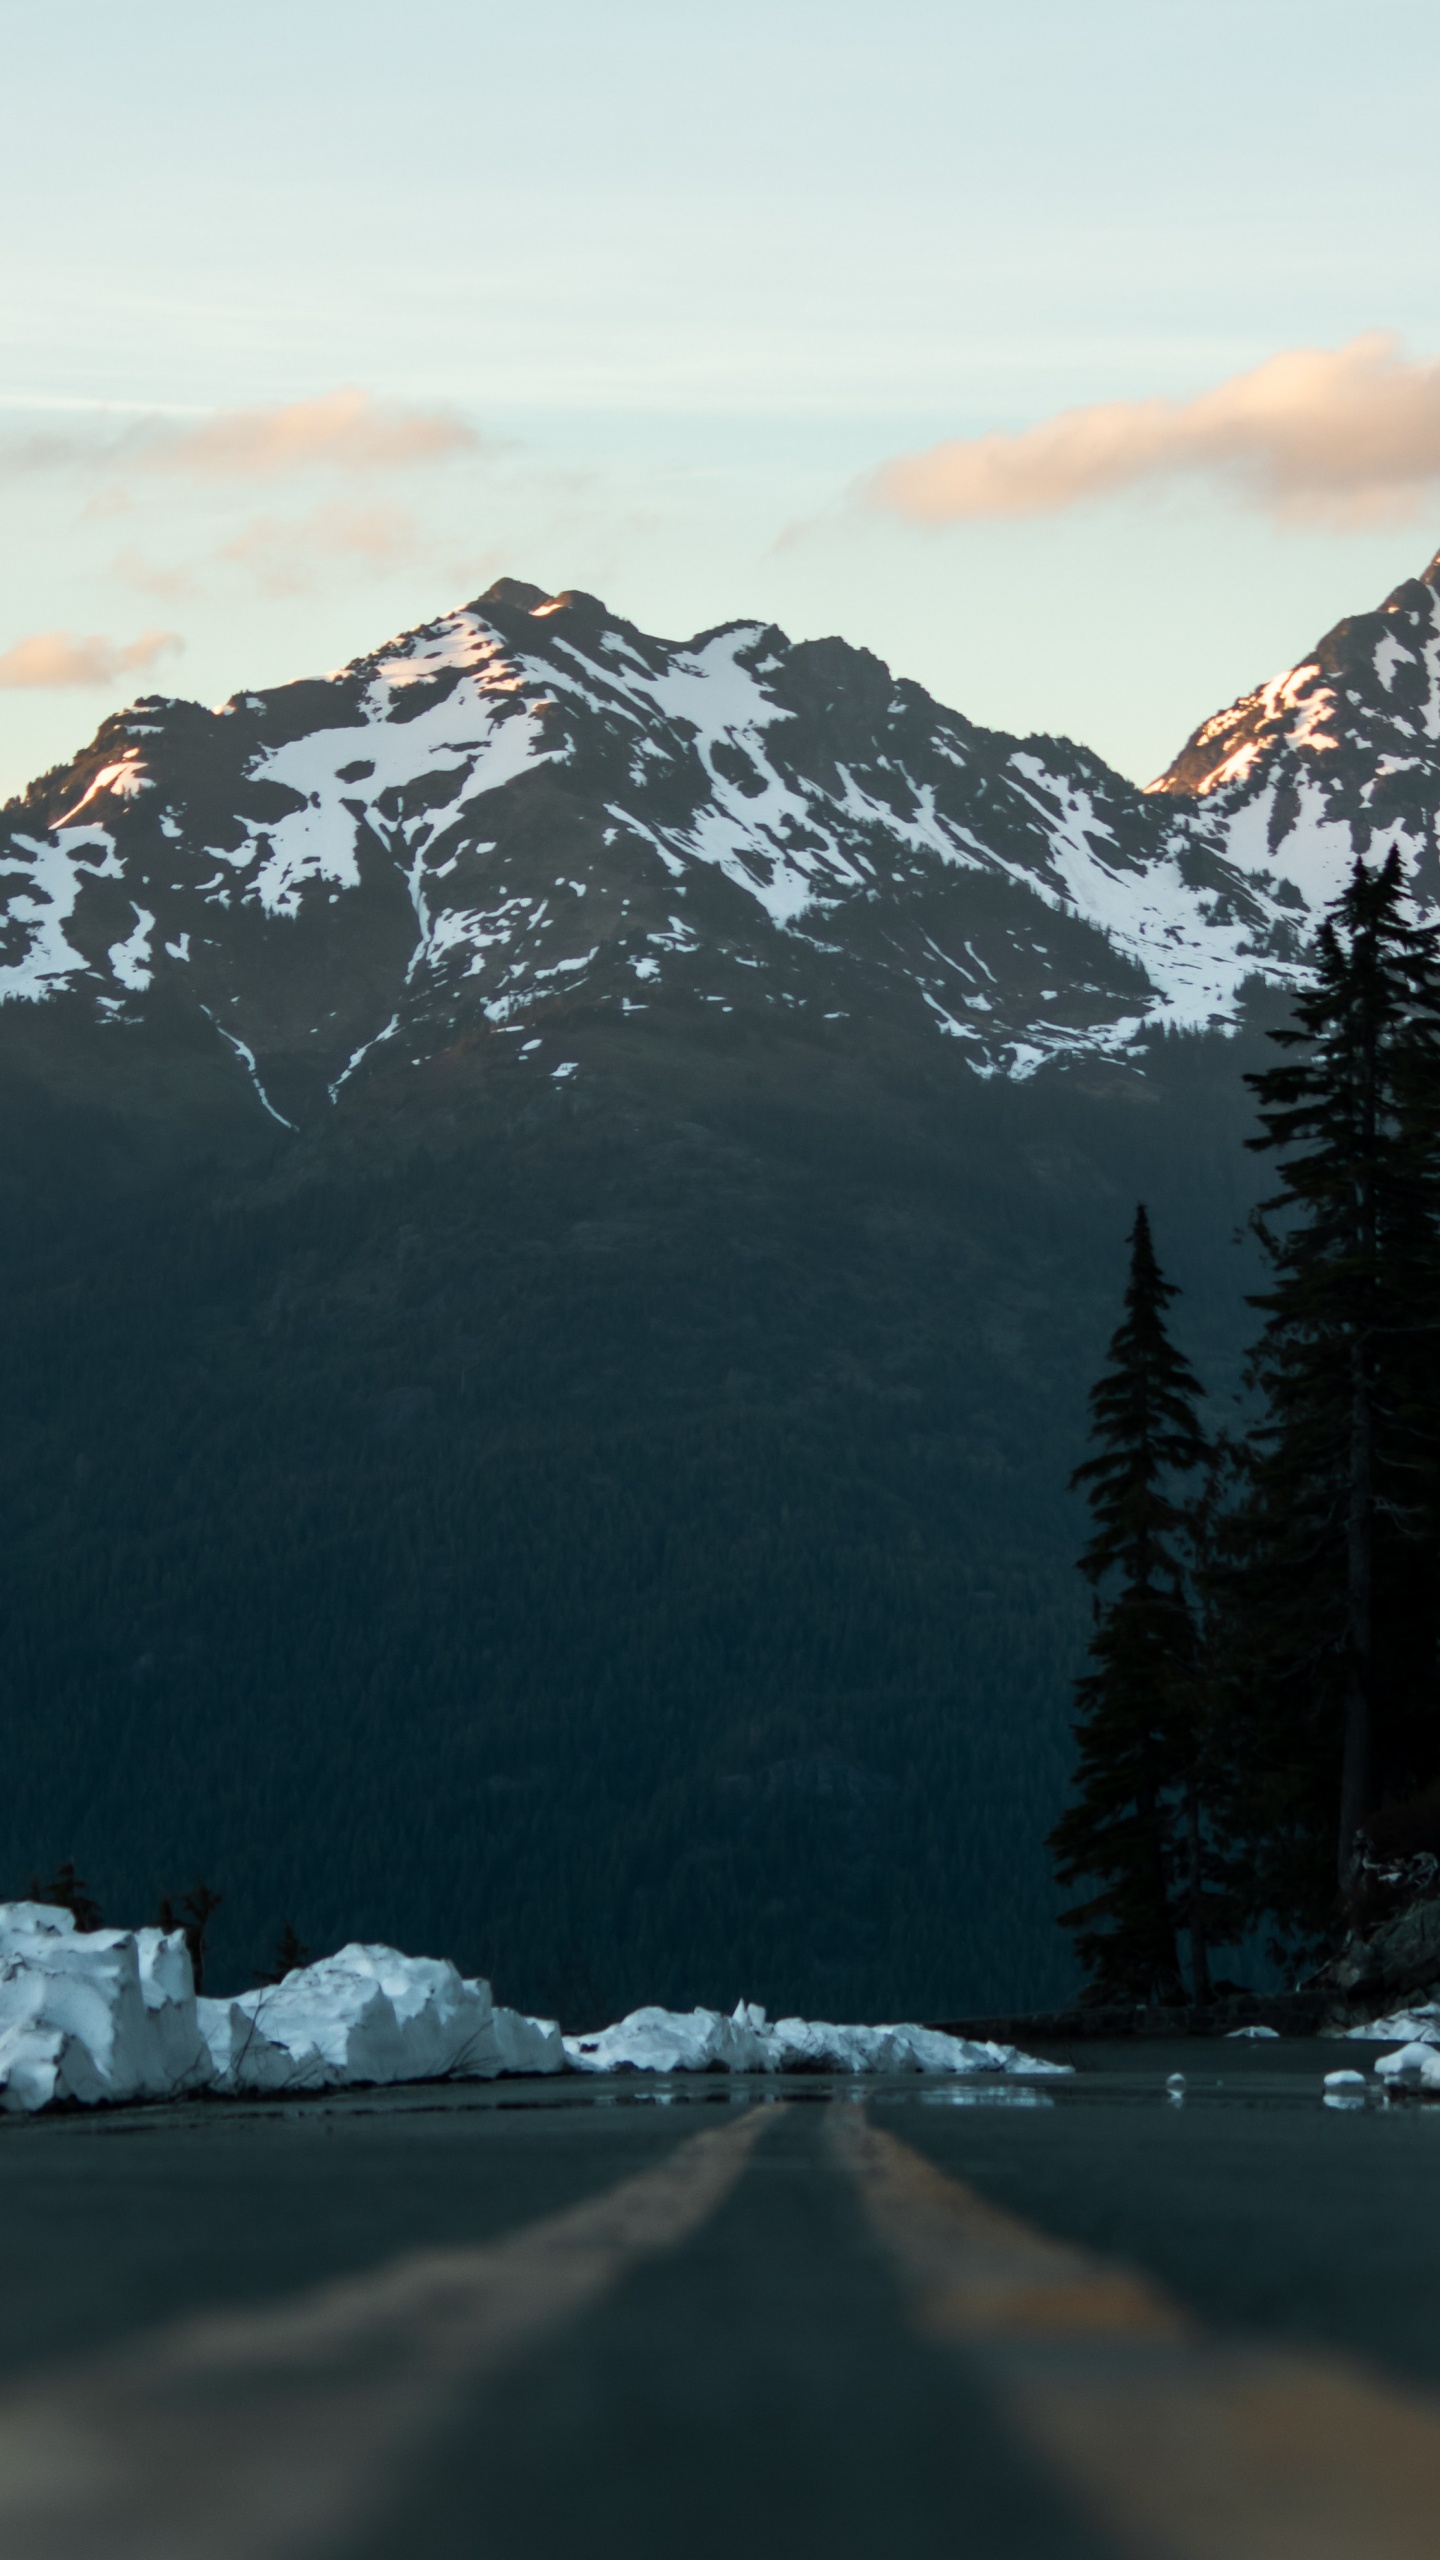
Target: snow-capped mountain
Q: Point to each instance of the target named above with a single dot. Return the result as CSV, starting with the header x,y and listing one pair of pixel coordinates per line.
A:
x,y
529,819
1337,756
546,1315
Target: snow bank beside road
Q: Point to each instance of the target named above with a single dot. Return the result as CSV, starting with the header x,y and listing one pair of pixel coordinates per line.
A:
x,y
105,2015
1417,2033
371,2015
706,2040
1408,2026
1415,2066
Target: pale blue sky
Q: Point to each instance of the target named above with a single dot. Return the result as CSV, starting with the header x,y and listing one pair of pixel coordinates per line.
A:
x,y
686,275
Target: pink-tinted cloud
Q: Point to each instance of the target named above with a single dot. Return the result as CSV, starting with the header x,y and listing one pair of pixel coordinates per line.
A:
x,y
288,557
69,658
1347,437
170,585
344,431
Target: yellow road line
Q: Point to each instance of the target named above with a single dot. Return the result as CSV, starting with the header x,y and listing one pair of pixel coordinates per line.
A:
x,y
273,2434
1182,2446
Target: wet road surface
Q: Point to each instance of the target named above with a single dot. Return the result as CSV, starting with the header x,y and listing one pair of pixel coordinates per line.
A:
x,y
1064,2321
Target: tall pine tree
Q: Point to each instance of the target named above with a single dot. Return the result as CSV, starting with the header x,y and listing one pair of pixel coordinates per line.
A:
x,y
1337,1615
1132,1825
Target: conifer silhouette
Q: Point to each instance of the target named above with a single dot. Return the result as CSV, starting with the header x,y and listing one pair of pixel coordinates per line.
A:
x,y
287,1955
1129,1824
196,1910
68,1891
1339,1609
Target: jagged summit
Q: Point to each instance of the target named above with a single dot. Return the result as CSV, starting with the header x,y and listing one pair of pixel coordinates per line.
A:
x,y
1336,756
528,822
515,591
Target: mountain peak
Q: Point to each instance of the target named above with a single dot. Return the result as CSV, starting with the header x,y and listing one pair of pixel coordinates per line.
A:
x,y
526,832
1335,756
512,591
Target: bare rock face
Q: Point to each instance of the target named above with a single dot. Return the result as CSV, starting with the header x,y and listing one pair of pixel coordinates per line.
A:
x,y
1400,1952
1409,1949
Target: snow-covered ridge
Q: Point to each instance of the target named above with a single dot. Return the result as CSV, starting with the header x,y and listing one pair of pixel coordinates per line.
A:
x,y
1337,755
110,2016
529,809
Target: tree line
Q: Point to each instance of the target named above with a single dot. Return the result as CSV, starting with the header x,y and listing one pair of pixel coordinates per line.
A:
x,y
1257,1722
191,1913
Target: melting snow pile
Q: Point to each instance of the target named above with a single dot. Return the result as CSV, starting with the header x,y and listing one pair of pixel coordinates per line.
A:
x,y
370,2015
1417,2032
110,2014
706,2040
106,2015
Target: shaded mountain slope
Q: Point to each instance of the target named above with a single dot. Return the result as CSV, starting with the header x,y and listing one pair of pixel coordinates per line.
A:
x,y
627,1547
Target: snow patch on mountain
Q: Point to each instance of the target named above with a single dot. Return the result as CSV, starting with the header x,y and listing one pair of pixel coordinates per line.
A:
x,y
527,808
1330,758
47,879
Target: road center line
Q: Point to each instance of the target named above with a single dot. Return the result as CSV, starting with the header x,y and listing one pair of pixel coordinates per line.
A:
x,y
1182,2445
271,2434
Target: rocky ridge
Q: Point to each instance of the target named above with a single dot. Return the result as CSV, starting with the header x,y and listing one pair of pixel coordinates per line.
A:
x,y
1336,756
529,820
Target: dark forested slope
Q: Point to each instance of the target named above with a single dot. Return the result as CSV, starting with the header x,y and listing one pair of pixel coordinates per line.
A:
x,y
548,1291
627,1550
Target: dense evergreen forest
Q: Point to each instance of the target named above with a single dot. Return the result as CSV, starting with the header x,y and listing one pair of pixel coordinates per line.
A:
x,y
1259,1719
627,1549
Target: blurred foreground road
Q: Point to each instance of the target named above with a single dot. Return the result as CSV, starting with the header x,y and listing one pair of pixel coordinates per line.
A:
x,y
1066,2322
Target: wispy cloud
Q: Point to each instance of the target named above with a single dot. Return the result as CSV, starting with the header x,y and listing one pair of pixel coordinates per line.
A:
x,y
288,557
1347,437
345,431
70,658
169,585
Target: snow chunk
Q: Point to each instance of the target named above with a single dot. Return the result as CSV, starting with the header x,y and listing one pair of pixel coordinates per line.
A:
x,y
370,2015
108,2015
705,2040
667,2040
1417,2034
105,2015
94,2015
527,2044
1415,2066
1404,2026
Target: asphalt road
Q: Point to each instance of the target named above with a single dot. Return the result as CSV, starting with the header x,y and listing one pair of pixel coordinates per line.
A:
x,y
1063,2322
